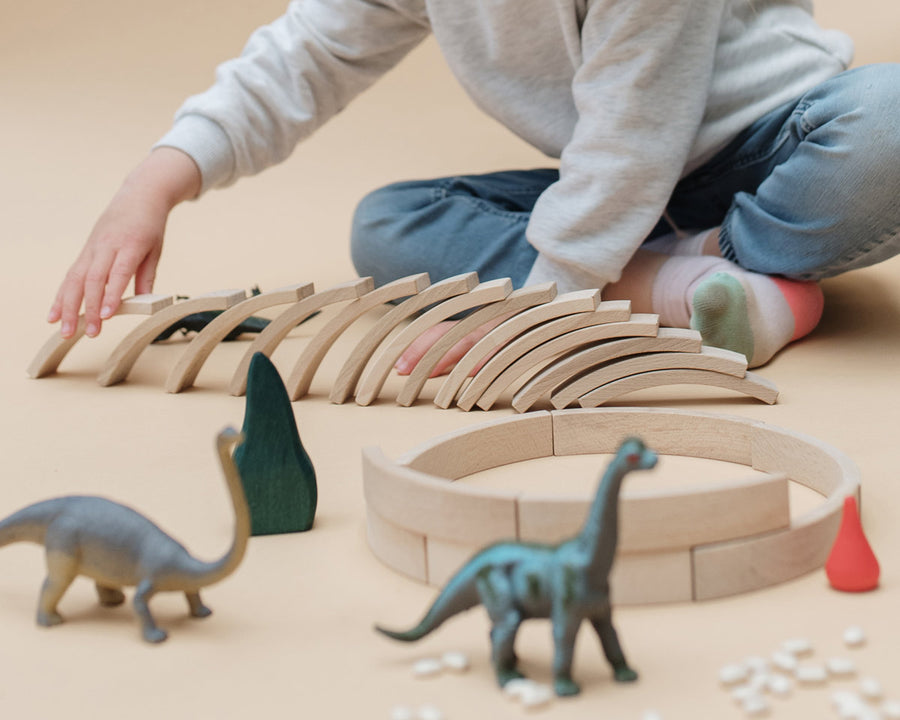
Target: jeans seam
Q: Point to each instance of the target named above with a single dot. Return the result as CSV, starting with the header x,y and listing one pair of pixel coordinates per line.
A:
x,y
441,193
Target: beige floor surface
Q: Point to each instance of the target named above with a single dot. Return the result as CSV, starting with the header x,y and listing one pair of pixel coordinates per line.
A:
x,y
85,89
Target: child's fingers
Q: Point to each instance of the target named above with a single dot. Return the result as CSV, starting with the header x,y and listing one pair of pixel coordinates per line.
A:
x,y
94,286
417,349
68,301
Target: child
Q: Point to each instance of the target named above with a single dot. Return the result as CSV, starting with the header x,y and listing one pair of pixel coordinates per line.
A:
x,y
716,157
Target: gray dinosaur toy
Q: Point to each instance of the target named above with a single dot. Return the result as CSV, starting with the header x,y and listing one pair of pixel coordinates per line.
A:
x,y
566,583
118,547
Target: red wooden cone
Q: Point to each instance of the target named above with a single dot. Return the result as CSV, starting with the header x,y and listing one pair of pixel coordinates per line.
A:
x,y
851,565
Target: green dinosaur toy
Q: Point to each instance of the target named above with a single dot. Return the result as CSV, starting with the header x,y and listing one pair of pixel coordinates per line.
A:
x,y
118,547
566,583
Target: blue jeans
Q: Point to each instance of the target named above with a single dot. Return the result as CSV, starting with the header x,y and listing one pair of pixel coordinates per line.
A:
x,y
810,190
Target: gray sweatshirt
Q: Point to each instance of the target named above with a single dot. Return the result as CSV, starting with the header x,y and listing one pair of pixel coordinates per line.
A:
x,y
630,95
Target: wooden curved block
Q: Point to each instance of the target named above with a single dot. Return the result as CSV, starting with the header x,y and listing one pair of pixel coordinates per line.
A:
x,y
122,359
573,303
191,361
56,348
305,368
565,367
350,372
377,371
516,302
278,329
477,390
707,358
752,385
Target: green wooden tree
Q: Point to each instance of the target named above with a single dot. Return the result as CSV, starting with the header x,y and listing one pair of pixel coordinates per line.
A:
x,y
278,476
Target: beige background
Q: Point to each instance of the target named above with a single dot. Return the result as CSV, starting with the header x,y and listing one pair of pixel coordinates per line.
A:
x,y
85,89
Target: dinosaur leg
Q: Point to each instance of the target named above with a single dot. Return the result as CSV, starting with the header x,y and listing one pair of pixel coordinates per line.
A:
x,y
61,571
110,596
495,591
198,609
142,595
565,630
609,639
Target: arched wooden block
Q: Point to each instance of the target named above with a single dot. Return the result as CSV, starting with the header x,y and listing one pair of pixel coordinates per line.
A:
x,y
752,385
56,348
516,302
353,366
477,389
377,371
708,358
191,361
278,329
580,301
566,367
122,359
305,368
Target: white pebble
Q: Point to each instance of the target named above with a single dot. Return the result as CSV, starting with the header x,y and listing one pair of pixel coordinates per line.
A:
x,y
757,664
840,666
427,667
848,704
784,660
891,709
429,712
797,646
755,706
731,674
651,715
780,685
516,687
854,636
455,661
870,688
402,712
536,695
743,692
811,674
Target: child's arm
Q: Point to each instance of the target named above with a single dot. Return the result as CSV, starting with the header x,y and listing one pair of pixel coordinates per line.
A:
x,y
126,242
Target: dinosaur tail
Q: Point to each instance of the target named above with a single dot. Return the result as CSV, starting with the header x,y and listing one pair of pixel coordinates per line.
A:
x,y
30,523
458,595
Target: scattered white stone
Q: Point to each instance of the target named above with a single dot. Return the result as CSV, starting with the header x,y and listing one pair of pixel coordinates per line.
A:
x,y
651,715
848,704
870,688
854,636
891,709
402,712
536,695
515,687
840,667
780,685
797,646
784,660
757,664
455,661
755,706
427,667
732,674
811,674
429,712
743,692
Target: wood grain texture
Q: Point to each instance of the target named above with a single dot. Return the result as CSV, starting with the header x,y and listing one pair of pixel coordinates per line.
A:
x,y
352,369
398,548
301,376
185,371
52,352
278,329
126,353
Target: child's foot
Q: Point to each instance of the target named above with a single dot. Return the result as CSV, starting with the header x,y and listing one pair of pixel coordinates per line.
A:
x,y
732,308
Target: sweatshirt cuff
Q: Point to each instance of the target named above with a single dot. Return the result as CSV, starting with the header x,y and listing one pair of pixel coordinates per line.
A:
x,y
568,277
207,144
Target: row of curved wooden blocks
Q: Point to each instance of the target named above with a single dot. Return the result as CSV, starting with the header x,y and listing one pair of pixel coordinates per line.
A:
x,y
568,348
713,541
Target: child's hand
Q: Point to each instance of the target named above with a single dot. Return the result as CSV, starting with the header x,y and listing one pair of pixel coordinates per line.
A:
x,y
416,351
126,242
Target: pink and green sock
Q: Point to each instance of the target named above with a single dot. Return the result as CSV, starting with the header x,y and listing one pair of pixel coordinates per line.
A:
x,y
732,308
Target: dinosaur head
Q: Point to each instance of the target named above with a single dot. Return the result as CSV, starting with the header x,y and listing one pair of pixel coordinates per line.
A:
x,y
636,455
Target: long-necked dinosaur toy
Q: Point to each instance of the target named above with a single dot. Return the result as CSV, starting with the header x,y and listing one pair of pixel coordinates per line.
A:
x,y
566,583
118,547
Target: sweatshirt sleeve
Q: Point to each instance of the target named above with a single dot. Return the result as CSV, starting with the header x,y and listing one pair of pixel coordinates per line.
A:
x,y
640,92
292,76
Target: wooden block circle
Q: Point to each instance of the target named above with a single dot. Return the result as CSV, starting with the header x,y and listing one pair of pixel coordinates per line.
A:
x,y
418,514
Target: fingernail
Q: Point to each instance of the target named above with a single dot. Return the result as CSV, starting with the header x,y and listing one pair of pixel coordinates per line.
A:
x,y
402,367
92,330
66,329
106,312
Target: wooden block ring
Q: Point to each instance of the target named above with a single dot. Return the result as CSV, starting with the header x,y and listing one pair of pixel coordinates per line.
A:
x,y
709,542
